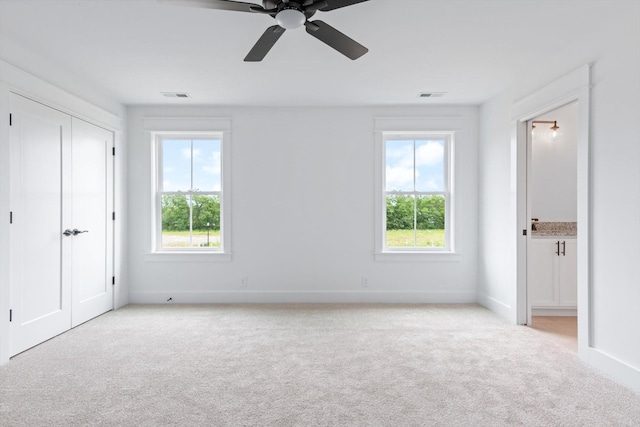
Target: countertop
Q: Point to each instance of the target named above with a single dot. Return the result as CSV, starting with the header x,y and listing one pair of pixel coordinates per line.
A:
x,y
552,229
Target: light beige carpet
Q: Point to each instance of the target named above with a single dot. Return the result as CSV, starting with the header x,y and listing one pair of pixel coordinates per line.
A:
x,y
305,365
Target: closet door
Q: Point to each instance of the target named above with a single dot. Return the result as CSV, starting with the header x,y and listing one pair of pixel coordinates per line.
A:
x,y
40,143
61,245
91,208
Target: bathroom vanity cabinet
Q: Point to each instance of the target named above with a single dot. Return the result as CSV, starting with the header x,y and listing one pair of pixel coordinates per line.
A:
x,y
553,276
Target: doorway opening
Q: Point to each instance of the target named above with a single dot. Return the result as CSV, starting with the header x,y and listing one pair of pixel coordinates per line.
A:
x,y
574,87
553,209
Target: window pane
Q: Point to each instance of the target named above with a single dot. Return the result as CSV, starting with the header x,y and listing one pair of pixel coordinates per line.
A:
x,y
206,221
430,166
176,165
175,221
399,165
400,221
207,165
430,221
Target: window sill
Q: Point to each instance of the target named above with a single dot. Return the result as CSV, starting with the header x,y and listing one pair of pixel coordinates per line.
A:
x,y
187,257
418,256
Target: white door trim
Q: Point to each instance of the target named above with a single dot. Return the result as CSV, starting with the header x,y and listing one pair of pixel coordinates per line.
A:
x,y
575,86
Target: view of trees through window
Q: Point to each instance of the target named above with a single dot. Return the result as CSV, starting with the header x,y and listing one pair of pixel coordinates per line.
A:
x,y
190,221
428,213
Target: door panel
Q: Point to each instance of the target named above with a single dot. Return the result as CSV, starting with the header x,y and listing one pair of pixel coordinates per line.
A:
x,y
92,203
40,145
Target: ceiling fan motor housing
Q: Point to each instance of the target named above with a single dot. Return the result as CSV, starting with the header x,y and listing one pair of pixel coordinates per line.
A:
x,y
280,5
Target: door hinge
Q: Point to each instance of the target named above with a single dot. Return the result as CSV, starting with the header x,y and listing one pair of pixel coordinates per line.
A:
x,y
10,119
113,151
524,232
113,216
10,315
10,217
113,280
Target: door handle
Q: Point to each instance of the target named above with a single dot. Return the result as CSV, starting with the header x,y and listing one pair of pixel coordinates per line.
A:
x,y
76,231
564,248
67,232
558,248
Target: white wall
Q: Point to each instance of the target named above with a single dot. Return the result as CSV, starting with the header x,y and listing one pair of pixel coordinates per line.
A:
x,y
497,227
554,167
303,212
615,199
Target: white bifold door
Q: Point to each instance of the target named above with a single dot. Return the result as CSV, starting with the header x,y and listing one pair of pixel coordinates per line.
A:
x,y
62,228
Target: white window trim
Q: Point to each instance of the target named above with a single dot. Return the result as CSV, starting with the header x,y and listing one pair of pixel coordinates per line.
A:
x,y
423,126
191,127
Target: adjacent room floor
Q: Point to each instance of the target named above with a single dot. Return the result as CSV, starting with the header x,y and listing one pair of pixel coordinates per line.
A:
x,y
564,329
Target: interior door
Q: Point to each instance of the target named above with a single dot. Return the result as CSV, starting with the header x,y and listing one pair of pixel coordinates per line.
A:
x,y
91,207
531,276
40,143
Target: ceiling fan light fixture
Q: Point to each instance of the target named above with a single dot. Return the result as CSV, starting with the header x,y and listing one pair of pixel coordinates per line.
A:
x,y
290,18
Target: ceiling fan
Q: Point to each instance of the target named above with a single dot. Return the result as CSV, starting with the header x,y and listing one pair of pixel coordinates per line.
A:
x,y
289,14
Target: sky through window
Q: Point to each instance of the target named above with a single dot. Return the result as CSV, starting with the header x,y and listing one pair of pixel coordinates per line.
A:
x,y
177,156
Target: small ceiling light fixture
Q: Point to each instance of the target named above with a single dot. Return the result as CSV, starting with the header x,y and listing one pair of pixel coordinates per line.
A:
x,y
554,128
290,18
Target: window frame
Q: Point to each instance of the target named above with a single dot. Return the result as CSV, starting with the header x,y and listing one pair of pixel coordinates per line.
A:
x,y
415,128
160,138
447,193
220,131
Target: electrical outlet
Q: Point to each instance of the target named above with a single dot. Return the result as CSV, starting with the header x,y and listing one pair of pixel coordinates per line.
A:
x,y
365,281
244,282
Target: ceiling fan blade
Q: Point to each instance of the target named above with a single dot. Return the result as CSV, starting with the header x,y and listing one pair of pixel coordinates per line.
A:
x,y
215,4
337,40
337,4
265,43
312,6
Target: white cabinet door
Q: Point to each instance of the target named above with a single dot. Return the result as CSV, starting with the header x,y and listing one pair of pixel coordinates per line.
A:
x,y
40,142
568,274
92,204
542,272
61,179
552,273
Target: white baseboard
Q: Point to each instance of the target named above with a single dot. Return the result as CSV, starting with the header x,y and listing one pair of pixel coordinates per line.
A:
x,y
498,307
301,297
554,311
617,370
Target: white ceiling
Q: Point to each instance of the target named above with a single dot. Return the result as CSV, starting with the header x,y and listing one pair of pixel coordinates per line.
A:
x,y
134,49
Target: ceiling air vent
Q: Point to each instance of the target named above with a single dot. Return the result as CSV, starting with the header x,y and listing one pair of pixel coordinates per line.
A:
x,y
432,94
175,94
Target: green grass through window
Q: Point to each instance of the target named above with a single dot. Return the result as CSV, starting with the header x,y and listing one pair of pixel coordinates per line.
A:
x,y
425,239
180,239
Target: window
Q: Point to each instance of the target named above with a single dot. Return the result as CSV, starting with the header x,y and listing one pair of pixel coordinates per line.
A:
x,y
415,192
190,189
